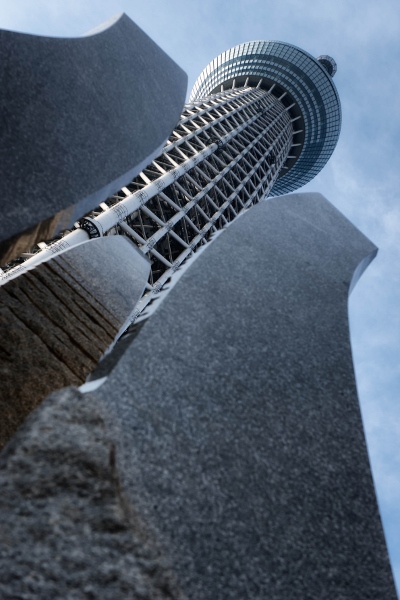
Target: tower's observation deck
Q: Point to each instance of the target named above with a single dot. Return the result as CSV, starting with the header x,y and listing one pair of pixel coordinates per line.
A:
x,y
302,83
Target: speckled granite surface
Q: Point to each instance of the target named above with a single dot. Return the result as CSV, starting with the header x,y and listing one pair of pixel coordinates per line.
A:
x,y
240,432
67,529
79,118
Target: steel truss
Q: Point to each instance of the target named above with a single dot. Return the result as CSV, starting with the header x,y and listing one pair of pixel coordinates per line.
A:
x,y
224,155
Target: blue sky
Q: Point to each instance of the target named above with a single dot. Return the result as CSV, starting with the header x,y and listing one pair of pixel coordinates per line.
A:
x,y
362,178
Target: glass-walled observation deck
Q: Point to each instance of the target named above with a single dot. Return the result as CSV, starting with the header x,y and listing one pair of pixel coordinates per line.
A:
x,y
303,84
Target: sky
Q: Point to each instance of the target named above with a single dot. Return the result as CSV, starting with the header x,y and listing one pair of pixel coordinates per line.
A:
x,y
362,178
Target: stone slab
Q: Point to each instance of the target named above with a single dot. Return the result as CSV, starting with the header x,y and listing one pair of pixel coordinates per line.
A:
x,y
79,118
57,320
240,436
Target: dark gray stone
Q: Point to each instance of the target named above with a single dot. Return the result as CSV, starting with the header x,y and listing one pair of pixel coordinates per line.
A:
x,y
240,438
67,530
79,118
112,270
57,320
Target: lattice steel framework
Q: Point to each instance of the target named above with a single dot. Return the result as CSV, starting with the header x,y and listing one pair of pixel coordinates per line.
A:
x,y
263,119
224,155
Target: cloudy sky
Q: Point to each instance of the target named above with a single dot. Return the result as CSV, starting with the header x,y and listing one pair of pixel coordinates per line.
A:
x,y
361,179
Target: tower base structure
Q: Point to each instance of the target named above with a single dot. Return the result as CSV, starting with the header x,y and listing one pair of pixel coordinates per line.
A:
x,y
233,431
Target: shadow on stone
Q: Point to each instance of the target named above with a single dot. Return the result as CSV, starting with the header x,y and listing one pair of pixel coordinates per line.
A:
x,y
57,320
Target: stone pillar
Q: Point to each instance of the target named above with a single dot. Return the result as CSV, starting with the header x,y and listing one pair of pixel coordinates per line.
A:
x,y
241,440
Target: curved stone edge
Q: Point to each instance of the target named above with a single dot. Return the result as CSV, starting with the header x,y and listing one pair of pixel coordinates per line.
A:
x,y
82,117
362,266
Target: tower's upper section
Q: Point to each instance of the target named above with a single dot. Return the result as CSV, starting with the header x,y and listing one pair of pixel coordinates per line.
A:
x,y
302,83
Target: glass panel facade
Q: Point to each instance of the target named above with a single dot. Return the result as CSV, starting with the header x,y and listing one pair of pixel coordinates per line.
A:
x,y
308,83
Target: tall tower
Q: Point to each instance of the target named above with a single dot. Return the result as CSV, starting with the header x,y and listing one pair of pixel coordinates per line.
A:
x,y
262,120
228,438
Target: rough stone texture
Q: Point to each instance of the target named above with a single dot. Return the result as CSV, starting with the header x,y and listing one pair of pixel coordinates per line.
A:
x,y
66,529
79,118
14,246
240,437
57,320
